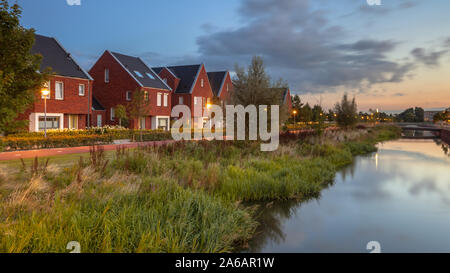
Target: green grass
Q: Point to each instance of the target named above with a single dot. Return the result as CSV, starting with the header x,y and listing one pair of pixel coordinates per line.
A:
x,y
183,197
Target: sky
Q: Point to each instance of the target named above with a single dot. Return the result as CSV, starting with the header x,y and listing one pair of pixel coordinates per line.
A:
x,y
390,56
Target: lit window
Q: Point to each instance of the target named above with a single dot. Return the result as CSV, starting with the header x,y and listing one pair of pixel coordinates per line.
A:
x,y
202,83
138,74
52,123
146,95
59,91
128,95
106,75
166,99
150,76
112,113
181,100
158,100
81,90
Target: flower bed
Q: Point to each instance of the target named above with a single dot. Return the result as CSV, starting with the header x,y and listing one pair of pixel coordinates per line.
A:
x,y
75,138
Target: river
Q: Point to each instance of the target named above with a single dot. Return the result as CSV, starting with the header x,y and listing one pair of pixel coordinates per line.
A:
x,y
398,197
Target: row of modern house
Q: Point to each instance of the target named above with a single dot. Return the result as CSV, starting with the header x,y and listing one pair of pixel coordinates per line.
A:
x,y
80,99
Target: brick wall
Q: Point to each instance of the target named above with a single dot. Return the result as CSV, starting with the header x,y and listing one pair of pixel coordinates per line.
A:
x,y
113,93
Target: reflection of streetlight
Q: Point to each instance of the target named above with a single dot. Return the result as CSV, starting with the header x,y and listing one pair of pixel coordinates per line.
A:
x,y
45,92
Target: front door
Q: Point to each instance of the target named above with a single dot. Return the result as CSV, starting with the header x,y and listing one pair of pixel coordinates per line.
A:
x,y
99,120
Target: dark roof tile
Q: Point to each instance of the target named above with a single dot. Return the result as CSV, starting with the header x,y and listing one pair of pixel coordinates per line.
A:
x,y
187,75
57,58
140,71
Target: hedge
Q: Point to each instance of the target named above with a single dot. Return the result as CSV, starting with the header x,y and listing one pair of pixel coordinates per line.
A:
x,y
28,143
74,138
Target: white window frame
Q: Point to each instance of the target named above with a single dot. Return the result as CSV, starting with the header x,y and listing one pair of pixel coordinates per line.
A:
x,y
166,100
62,90
112,114
128,95
180,100
158,99
106,75
84,90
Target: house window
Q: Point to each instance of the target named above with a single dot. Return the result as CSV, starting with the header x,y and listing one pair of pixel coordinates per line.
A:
x,y
158,100
73,121
202,83
227,87
52,123
81,90
138,74
181,100
196,100
142,123
112,113
162,124
150,76
165,80
128,95
146,95
47,86
166,100
107,75
59,91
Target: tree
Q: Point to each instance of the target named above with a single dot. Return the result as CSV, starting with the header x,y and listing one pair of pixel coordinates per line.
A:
x,y
19,79
347,112
419,114
121,113
138,107
306,113
317,113
254,87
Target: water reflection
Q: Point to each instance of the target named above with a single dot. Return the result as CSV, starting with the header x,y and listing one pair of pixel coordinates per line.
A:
x,y
399,196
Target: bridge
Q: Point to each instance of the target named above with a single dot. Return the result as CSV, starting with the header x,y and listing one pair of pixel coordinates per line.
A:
x,y
417,131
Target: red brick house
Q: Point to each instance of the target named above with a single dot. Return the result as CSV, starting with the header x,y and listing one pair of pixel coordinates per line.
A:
x,y
117,76
69,103
98,116
190,84
221,84
285,96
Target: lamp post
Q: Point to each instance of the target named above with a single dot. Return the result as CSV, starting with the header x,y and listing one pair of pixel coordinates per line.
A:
x,y
45,92
295,114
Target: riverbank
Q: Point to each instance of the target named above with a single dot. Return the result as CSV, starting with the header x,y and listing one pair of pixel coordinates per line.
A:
x,y
182,197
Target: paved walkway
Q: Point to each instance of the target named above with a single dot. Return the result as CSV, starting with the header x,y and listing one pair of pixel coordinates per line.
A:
x,y
73,150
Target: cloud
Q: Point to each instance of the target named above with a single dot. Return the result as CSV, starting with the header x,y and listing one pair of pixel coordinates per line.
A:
x,y
428,58
300,44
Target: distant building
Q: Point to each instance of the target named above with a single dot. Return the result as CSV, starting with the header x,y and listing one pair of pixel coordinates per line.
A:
x,y
429,115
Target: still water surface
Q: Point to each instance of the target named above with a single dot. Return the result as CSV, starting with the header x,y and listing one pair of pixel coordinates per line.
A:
x,y
399,196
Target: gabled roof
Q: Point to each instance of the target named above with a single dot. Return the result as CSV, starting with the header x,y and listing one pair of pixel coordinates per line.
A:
x,y
143,74
186,73
282,92
96,106
217,79
57,58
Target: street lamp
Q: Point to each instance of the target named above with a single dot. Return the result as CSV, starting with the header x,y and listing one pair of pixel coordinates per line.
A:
x,y
45,92
295,114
